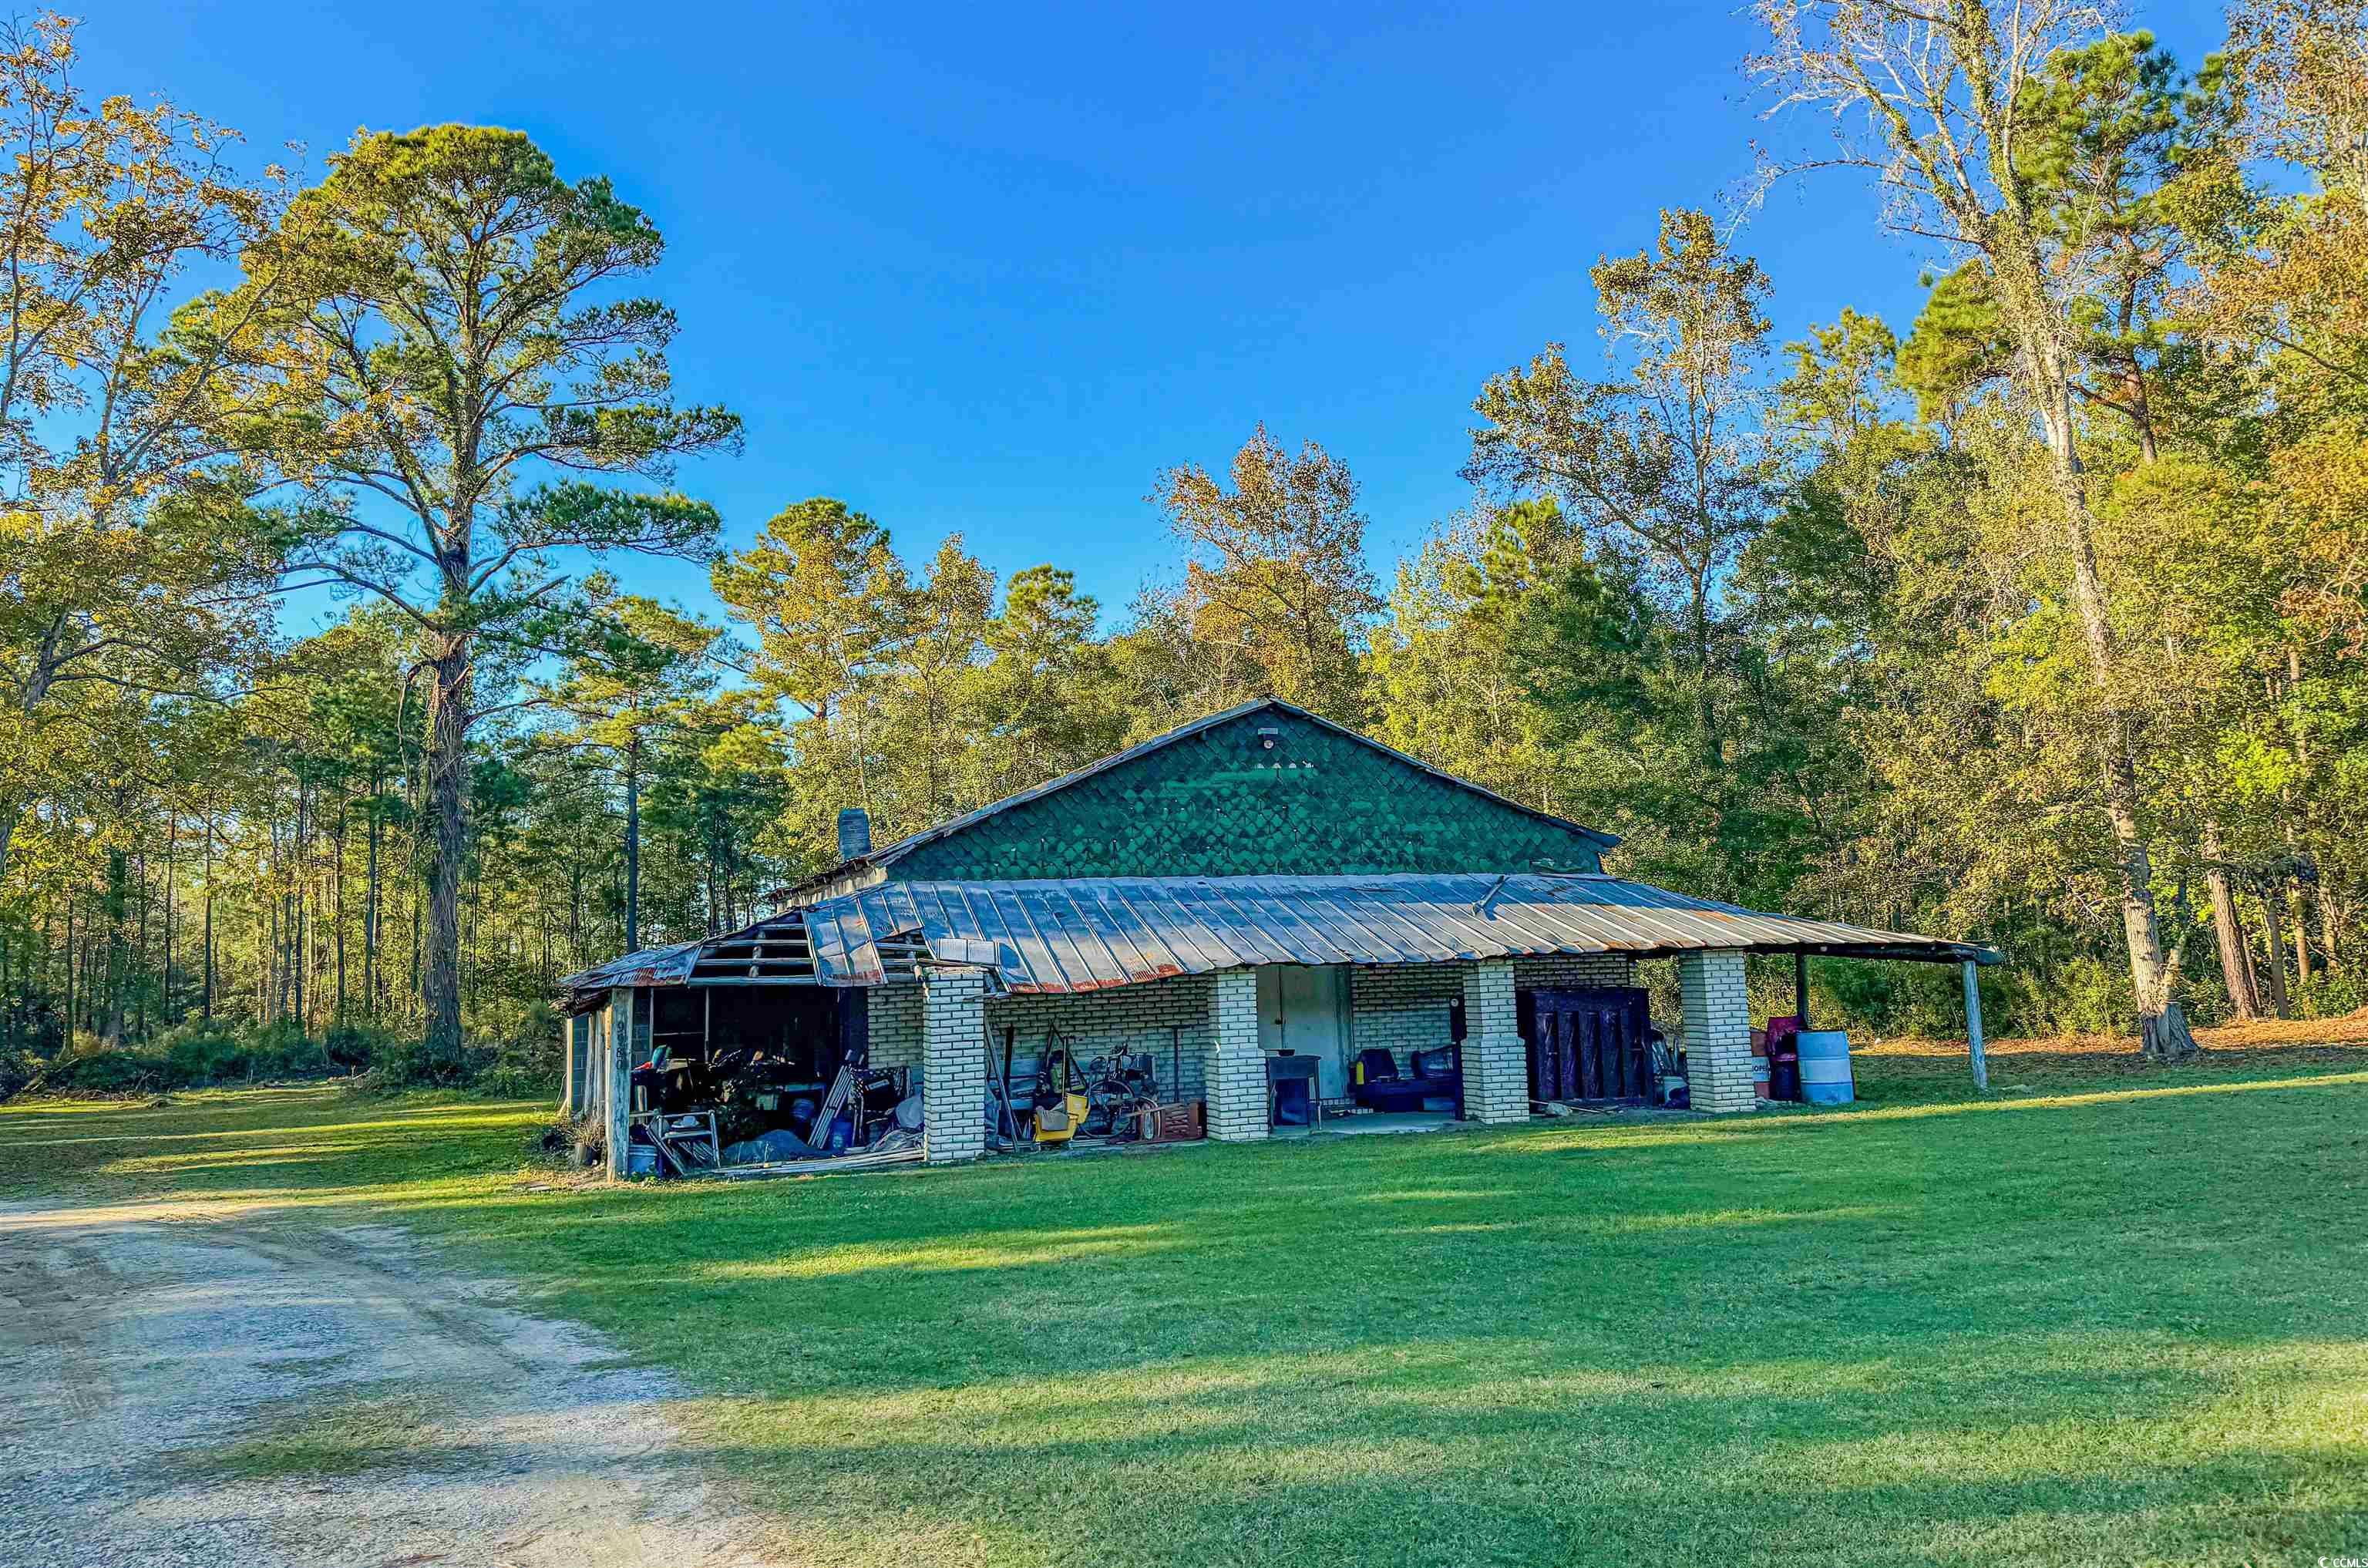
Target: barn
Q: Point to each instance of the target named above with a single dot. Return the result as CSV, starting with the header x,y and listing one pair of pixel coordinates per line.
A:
x,y
1269,912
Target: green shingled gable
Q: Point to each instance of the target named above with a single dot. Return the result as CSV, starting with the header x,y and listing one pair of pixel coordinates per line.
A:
x,y
1216,804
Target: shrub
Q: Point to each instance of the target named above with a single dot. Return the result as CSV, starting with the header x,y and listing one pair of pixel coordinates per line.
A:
x,y
527,1061
2330,995
521,1062
409,1063
106,1071
202,1050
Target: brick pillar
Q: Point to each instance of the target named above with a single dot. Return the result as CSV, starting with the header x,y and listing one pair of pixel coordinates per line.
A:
x,y
1235,1072
954,1064
1718,1031
1496,1068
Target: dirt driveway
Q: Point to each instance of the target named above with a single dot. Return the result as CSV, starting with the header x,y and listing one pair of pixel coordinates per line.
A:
x,y
190,1386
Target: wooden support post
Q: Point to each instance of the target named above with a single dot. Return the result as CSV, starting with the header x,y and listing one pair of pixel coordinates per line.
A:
x,y
1801,987
1974,1026
617,1058
568,1058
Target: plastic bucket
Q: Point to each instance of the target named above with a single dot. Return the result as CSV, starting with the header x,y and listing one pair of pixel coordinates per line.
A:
x,y
1824,1066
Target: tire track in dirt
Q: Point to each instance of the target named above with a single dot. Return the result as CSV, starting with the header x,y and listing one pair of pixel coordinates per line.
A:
x,y
200,1387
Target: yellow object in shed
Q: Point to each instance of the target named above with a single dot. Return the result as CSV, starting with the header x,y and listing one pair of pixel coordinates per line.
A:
x,y
1058,1123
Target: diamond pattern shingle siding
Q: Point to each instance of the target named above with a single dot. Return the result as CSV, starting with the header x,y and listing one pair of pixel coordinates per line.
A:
x,y
1219,803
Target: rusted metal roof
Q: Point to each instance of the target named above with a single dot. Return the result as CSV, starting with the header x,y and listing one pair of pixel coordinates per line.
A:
x,y
1091,933
1087,933
650,966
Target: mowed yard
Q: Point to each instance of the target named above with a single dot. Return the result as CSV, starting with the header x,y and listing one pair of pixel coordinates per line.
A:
x,y
2109,1314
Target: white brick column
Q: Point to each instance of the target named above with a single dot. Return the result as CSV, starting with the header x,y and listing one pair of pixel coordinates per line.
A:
x,y
1718,1031
1235,1071
954,1064
1495,1069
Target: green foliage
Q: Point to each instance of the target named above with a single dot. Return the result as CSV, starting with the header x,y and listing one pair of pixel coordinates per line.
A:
x,y
1805,634
197,1053
1960,343
1276,589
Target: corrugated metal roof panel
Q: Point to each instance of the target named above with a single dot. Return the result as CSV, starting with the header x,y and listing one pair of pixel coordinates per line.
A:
x,y
1089,932
650,966
1085,933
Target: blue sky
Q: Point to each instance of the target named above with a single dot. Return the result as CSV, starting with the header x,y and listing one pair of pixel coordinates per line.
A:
x,y
988,268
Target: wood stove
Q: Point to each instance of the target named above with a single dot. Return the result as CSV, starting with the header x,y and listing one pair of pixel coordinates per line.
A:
x,y
1290,1090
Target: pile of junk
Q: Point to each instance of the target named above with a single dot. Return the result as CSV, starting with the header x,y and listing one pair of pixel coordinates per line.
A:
x,y
748,1112
735,1087
764,1081
1055,1101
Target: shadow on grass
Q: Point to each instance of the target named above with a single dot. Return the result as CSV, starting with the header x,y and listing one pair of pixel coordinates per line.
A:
x,y
1480,1451
2097,1324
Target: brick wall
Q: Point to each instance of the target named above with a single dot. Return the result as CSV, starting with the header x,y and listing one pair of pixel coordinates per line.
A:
x,y
1575,971
1124,1019
893,1015
1717,1030
1402,1008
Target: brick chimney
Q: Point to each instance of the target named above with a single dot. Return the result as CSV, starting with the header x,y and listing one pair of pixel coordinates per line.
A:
x,y
854,833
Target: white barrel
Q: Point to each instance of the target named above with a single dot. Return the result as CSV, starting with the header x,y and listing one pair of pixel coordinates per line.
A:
x,y
1824,1066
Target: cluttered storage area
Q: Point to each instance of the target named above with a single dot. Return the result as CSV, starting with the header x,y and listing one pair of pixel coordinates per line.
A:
x,y
784,1079
876,1030
729,1075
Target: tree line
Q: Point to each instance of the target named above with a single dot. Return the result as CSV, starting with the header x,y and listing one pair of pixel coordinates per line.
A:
x,y
2037,620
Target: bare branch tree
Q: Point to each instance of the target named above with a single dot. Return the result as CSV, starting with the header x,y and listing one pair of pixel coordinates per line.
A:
x,y
1930,96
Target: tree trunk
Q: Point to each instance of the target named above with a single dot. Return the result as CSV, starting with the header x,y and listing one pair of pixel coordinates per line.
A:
x,y
2301,916
117,910
2271,923
2329,922
633,843
298,954
448,821
2163,1034
1713,754
417,905
371,997
2227,927
13,806
206,871
337,882
140,967
172,845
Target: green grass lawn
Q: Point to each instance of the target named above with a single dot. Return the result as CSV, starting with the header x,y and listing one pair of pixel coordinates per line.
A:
x,y
2110,1314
